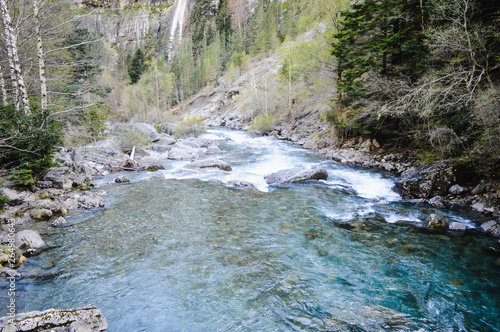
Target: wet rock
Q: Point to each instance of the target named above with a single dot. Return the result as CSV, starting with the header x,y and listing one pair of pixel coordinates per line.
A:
x,y
98,183
435,222
150,164
17,197
491,227
40,214
178,153
146,130
210,163
59,222
43,184
122,179
213,149
456,189
86,319
167,140
29,241
427,182
88,200
293,175
129,165
54,206
59,176
6,272
238,184
437,202
457,227
479,206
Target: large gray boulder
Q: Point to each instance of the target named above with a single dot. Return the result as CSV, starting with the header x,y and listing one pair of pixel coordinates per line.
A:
x,y
427,182
150,164
29,241
17,197
210,163
180,152
147,130
60,177
435,222
293,175
86,319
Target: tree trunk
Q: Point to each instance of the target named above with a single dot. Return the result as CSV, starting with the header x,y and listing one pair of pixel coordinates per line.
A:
x,y
2,88
12,70
41,56
12,38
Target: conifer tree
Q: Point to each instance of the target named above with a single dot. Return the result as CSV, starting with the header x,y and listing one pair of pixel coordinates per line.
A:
x,y
137,66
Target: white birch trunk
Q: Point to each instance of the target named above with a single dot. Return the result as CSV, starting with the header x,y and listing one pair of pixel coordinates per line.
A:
x,y
12,37
12,70
2,88
41,55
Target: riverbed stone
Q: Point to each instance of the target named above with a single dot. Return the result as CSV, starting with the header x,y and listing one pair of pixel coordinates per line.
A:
x,y
150,164
457,227
491,227
40,214
59,222
437,201
293,175
86,319
179,153
214,149
210,163
456,189
17,197
435,222
239,184
122,179
29,240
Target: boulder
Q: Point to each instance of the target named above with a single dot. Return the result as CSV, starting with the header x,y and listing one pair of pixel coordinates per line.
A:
x,y
210,163
238,184
456,189
41,214
179,153
60,177
150,164
59,222
457,227
293,175
122,179
491,227
437,201
17,197
88,200
214,149
86,319
481,188
54,206
147,130
427,182
29,241
98,183
435,222
8,273
168,128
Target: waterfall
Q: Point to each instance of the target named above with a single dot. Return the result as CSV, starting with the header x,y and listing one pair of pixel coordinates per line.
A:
x,y
177,24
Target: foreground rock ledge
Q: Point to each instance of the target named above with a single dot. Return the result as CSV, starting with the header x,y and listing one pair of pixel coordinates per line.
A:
x,y
293,175
88,318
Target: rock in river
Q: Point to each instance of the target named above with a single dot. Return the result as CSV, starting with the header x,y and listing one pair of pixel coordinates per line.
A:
x,y
210,163
30,241
86,319
293,175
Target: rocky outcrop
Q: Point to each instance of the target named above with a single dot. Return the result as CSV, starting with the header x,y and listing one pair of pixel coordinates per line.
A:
x,y
59,177
435,222
210,163
293,175
86,319
427,182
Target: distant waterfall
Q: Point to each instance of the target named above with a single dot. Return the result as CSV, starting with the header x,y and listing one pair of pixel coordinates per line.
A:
x,y
177,24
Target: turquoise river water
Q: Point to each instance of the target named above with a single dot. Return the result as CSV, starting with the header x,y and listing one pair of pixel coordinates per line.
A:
x,y
179,250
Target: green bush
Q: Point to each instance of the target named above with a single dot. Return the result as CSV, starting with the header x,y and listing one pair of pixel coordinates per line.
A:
x,y
23,177
264,123
130,138
28,141
3,199
190,126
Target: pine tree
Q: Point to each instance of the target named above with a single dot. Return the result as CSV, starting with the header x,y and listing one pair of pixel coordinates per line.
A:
x,y
137,66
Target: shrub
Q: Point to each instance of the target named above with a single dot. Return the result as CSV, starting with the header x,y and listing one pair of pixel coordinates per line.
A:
x,y
264,123
23,177
130,138
28,141
190,126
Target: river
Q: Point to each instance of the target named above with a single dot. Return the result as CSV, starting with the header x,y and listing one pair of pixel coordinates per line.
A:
x,y
179,250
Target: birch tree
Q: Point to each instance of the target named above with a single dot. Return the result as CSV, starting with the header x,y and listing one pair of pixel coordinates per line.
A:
x,y
2,88
13,53
40,53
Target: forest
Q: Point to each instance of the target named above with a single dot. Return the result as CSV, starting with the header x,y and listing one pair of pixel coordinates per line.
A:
x,y
416,75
